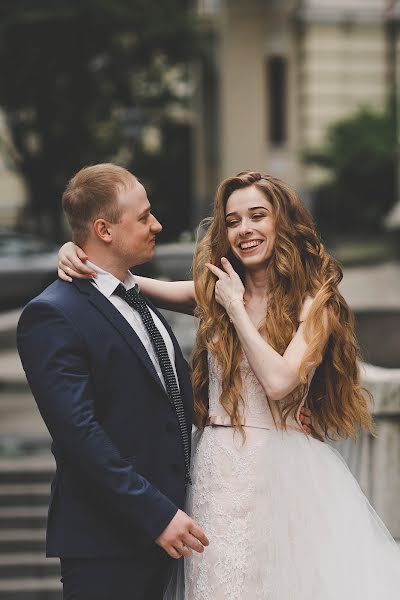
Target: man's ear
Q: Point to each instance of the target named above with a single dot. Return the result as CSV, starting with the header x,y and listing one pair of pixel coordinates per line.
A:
x,y
103,230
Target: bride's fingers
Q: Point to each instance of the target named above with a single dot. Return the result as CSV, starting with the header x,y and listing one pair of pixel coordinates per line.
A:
x,y
77,265
76,268
71,272
228,267
216,270
81,254
64,263
62,274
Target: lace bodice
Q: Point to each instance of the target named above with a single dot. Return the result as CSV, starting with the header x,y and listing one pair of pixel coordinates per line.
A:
x,y
255,409
230,484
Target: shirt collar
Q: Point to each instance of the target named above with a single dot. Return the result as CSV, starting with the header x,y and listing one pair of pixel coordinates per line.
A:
x,y
107,283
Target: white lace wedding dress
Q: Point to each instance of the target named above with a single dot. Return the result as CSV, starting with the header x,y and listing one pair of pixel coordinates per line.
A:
x,y
285,518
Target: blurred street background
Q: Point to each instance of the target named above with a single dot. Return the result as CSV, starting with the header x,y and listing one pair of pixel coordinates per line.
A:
x,y
184,93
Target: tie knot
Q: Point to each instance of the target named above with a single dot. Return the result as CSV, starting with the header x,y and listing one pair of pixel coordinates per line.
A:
x,y
130,296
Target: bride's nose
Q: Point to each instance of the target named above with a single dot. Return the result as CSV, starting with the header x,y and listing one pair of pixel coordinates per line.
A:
x,y
245,227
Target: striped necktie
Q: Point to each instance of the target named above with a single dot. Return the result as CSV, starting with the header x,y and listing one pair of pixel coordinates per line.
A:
x,y
136,301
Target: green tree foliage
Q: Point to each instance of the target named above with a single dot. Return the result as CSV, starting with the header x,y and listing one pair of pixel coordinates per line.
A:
x,y
79,79
360,156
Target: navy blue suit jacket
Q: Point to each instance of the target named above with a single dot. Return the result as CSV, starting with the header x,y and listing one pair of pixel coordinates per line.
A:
x,y
116,441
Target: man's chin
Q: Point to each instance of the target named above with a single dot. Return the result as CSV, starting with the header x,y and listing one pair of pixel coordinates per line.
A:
x,y
142,261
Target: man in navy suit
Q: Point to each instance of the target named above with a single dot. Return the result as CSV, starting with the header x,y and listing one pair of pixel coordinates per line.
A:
x,y
115,516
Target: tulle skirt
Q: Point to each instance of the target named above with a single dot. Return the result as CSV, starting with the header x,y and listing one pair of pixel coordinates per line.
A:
x,y
286,520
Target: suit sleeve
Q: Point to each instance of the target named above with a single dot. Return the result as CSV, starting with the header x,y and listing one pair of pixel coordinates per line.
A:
x,y
54,358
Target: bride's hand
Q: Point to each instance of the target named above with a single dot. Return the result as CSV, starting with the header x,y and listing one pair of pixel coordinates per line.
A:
x,y
305,418
229,287
71,265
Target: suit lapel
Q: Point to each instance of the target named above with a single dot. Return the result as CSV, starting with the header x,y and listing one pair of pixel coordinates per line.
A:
x,y
109,312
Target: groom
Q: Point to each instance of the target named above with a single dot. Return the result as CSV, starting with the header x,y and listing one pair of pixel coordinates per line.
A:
x,y
113,388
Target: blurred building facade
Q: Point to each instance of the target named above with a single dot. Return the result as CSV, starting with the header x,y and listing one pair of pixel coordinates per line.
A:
x,y
276,74
273,75
12,189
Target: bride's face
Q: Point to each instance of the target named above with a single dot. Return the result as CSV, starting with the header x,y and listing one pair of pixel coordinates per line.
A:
x,y
250,227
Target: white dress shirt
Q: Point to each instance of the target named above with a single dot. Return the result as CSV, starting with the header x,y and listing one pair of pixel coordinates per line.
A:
x,y
106,283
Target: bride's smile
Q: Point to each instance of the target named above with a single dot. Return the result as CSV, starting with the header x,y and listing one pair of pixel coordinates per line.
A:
x,y
250,227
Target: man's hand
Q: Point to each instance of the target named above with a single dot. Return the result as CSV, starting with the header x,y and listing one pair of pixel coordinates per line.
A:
x,y
305,419
181,536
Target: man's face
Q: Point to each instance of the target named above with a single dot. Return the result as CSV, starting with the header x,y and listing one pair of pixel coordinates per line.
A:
x,y
134,236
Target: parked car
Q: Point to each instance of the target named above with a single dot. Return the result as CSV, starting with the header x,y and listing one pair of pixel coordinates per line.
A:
x,y
27,265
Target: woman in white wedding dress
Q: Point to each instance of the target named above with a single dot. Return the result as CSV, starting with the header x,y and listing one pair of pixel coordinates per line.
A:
x,y
285,518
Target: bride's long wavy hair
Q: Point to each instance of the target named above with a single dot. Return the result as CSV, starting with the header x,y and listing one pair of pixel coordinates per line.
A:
x,y
299,267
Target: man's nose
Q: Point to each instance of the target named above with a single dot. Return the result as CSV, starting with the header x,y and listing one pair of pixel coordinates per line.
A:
x,y
156,226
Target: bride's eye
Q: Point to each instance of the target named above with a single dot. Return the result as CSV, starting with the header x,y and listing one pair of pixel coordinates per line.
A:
x,y
231,223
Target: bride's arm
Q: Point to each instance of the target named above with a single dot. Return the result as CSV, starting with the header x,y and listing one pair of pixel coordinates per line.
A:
x,y
278,375
178,296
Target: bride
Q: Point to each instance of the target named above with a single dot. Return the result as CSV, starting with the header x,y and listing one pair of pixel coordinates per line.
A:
x,y
285,518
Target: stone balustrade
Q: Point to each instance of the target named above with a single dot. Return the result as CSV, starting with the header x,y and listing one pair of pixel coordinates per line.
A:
x,y
375,461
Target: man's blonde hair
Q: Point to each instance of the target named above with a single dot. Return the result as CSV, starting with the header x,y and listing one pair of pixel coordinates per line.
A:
x,y
92,194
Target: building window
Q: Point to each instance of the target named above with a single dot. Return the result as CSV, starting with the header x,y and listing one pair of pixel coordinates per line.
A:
x,y
277,99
